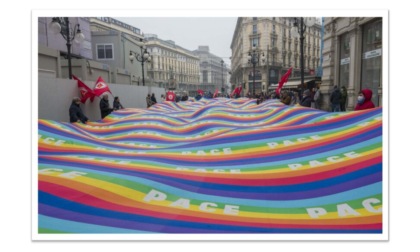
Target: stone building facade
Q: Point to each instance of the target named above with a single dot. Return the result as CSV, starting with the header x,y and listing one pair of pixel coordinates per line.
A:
x,y
352,57
172,67
270,40
213,70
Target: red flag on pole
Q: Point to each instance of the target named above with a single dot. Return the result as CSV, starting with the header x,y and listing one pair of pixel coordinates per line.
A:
x,y
201,92
84,90
101,87
170,96
215,93
234,92
283,80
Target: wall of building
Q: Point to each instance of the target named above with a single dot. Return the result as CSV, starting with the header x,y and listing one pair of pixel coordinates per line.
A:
x,y
55,96
49,59
348,31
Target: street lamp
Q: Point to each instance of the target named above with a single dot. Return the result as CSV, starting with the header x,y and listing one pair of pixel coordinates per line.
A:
x,y
221,62
141,57
298,31
254,59
62,25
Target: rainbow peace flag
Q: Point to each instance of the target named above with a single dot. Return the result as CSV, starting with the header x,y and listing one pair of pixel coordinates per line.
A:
x,y
216,166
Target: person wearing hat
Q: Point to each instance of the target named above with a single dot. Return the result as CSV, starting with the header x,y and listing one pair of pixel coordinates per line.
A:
x,y
104,106
306,99
117,103
76,113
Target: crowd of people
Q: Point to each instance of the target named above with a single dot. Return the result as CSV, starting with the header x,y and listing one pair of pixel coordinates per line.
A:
x,y
307,98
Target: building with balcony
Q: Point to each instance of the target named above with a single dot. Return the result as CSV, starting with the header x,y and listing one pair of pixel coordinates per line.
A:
x,y
270,39
172,67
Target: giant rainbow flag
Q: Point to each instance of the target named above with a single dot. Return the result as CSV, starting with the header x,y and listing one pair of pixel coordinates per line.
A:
x,y
214,166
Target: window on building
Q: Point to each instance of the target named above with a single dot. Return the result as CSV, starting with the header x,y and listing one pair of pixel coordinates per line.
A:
x,y
254,19
344,73
105,51
273,42
274,28
255,42
254,29
372,58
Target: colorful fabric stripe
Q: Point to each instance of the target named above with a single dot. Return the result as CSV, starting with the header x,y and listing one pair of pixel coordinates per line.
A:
x,y
213,166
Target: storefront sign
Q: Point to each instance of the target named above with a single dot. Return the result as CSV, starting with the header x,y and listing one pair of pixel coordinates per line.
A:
x,y
345,61
372,54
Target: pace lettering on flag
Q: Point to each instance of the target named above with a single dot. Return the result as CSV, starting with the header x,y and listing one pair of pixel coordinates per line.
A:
x,y
85,91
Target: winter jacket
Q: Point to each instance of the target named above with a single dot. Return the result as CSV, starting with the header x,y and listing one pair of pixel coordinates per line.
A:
x,y
367,103
343,99
117,105
105,109
306,101
335,96
76,113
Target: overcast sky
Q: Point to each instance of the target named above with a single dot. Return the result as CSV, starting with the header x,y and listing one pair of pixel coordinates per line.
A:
x,y
190,32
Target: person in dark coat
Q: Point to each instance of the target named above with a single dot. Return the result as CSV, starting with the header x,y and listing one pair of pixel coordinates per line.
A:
x,y
364,100
117,104
153,98
335,99
104,106
343,99
76,113
306,99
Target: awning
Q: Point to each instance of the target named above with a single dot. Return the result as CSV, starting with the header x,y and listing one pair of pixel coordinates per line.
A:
x,y
290,84
296,83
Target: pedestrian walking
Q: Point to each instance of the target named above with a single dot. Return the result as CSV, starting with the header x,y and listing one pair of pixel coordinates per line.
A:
x,y
75,112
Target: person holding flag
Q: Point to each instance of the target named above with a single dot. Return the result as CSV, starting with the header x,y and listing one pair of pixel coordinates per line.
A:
x,y
104,106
